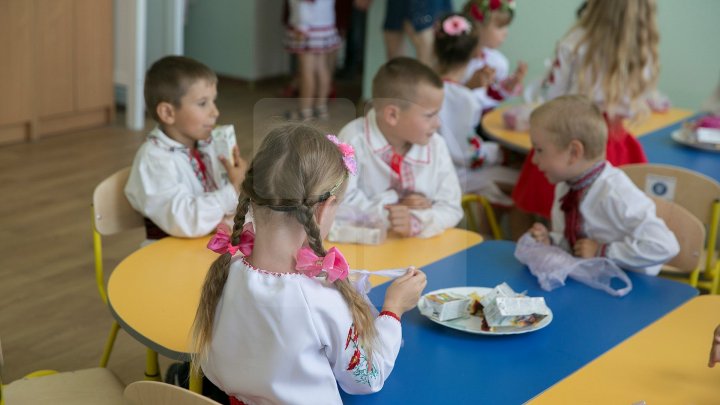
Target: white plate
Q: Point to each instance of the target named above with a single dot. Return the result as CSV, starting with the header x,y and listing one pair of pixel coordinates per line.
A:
x,y
686,137
472,324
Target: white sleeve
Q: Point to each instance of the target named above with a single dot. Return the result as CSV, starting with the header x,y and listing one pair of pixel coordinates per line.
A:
x,y
446,210
648,243
356,197
350,361
154,190
300,14
559,79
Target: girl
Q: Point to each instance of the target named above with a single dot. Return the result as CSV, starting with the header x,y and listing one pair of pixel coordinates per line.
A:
x,y
609,55
488,72
476,162
312,35
283,323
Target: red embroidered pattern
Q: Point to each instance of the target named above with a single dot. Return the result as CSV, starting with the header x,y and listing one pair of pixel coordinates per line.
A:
x,y
390,314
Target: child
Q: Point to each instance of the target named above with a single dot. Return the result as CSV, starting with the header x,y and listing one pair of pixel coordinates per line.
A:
x,y
476,162
610,55
488,71
715,348
177,179
313,37
597,210
284,324
404,167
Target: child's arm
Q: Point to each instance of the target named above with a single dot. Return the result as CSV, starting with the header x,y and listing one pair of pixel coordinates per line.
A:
x,y
647,242
350,360
299,15
715,348
559,79
446,211
155,190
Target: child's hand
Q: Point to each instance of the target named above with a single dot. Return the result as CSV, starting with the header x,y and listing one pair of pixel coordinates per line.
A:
x,y
399,217
714,348
586,248
540,233
481,78
236,171
416,201
513,82
403,294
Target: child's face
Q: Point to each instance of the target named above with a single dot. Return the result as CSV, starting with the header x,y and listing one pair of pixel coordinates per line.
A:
x,y
492,34
553,161
196,116
418,122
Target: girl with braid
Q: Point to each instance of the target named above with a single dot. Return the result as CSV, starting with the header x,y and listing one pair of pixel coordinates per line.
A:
x,y
281,322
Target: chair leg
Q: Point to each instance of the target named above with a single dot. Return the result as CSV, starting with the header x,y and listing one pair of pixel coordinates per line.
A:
x,y
109,344
152,367
195,384
492,220
715,279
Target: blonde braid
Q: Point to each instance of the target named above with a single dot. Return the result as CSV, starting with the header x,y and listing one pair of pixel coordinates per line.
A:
x,y
212,291
359,307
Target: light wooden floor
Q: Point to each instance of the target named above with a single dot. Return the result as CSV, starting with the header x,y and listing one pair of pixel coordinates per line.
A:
x,y
51,316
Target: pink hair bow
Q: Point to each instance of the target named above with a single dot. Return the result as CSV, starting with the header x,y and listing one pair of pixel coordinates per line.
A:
x,y
333,264
221,241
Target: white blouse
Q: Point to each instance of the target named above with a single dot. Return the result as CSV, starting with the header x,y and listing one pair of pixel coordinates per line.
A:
x,y
164,187
290,339
618,214
491,96
430,172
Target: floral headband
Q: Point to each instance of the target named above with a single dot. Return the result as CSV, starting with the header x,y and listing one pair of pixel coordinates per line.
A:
x,y
348,153
455,25
480,9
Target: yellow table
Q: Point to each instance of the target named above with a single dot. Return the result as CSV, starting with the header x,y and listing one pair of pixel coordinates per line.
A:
x,y
520,140
665,363
153,293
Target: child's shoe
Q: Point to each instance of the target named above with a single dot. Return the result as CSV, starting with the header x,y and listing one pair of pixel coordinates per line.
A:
x,y
321,112
305,114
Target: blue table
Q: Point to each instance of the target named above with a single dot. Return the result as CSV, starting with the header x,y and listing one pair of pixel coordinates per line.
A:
x,y
442,365
660,148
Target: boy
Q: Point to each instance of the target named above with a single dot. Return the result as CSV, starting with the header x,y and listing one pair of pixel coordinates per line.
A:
x,y
597,210
176,180
404,166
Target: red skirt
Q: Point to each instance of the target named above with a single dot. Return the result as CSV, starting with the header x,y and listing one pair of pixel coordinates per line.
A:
x,y
534,194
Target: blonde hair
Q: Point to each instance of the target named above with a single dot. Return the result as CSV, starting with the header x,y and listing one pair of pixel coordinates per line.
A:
x,y
622,38
573,117
295,169
397,81
169,79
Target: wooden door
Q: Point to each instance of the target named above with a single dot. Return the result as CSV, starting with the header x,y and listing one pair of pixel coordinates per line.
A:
x,y
93,54
54,57
16,73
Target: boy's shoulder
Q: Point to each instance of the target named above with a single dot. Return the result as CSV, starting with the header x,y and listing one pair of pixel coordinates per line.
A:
x,y
614,185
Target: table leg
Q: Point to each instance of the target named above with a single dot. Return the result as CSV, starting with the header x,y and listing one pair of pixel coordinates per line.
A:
x,y
152,368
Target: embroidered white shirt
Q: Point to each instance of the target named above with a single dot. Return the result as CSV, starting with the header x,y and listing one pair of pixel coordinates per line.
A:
x,y
289,339
164,186
431,173
491,96
618,214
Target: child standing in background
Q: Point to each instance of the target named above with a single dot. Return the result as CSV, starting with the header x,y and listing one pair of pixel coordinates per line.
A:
x,y
597,210
284,324
488,72
177,179
611,56
405,173
312,35
477,162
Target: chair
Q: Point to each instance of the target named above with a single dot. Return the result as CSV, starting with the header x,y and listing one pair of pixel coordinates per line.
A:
x,y
157,393
83,387
467,205
698,194
112,214
690,233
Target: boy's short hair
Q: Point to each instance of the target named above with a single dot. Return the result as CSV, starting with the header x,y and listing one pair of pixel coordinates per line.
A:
x,y
398,79
169,78
573,117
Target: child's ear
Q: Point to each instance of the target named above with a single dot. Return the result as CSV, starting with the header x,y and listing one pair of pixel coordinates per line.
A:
x,y
323,210
166,112
577,150
391,114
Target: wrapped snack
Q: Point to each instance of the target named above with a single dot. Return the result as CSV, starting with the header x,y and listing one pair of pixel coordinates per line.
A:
x,y
658,102
515,311
500,290
223,138
352,226
517,117
447,306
